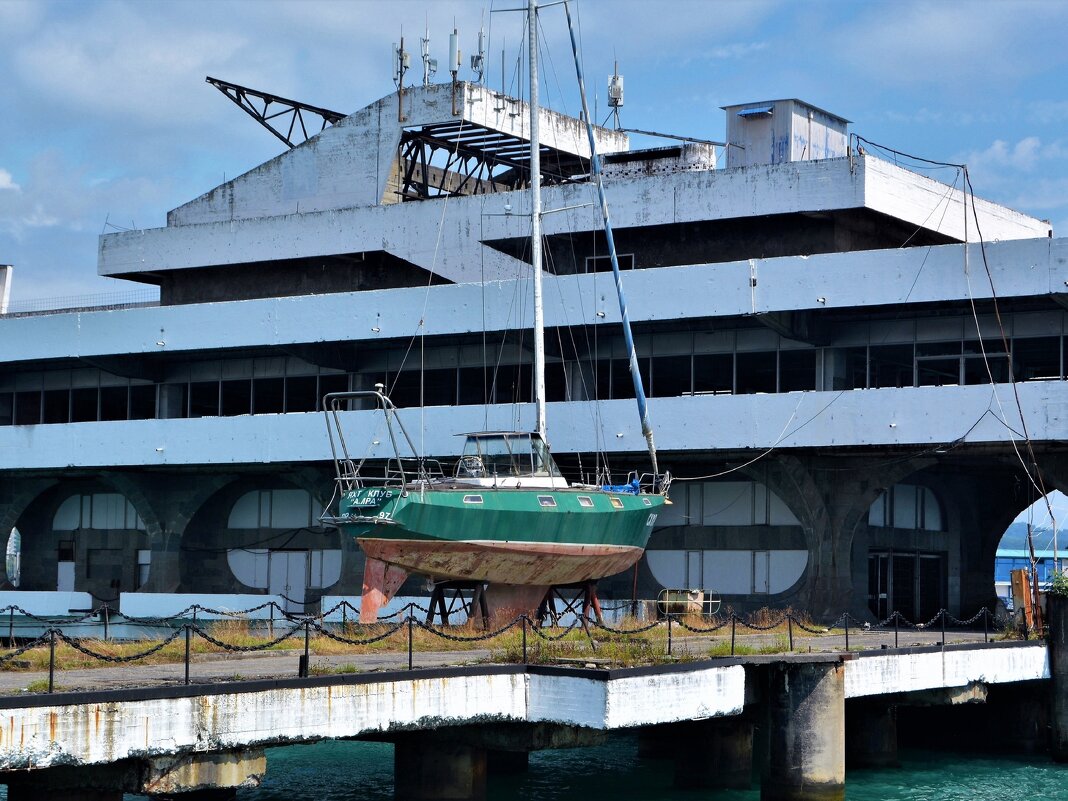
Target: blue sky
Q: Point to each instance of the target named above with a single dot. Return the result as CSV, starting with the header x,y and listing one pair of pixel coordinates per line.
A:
x,y
106,116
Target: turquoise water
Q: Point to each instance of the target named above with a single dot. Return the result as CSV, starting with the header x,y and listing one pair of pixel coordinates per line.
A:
x,y
350,771
354,771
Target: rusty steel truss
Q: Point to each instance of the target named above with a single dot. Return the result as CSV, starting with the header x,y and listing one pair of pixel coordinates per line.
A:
x,y
270,110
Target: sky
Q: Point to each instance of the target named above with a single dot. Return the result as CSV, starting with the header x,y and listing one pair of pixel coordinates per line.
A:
x,y
108,123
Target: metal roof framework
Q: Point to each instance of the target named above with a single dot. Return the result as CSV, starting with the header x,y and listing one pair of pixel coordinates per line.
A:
x,y
461,158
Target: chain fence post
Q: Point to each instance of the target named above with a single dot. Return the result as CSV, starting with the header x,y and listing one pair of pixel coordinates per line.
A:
x,y
897,619
270,623
307,646
106,623
986,625
11,625
790,630
188,630
411,623
847,631
51,659
669,633
943,628
734,622
344,616
523,620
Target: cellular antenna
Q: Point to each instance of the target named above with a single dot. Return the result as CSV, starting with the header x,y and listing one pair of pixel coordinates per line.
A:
x,y
478,61
454,64
430,65
401,62
615,93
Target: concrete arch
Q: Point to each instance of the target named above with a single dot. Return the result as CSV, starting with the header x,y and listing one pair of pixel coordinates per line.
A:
x,y
16,500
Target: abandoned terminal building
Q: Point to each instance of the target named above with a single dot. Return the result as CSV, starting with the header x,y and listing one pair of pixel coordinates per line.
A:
x,y
857,373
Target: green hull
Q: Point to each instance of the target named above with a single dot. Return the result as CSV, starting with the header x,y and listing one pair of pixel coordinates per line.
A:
x,y
570,517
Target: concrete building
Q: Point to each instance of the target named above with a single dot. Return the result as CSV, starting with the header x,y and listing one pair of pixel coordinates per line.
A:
x,y
849,362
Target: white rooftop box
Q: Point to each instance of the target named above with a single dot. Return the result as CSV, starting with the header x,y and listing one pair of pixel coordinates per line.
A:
x,y
774,131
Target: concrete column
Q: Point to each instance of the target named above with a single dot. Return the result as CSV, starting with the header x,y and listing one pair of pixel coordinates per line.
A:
x,y
70,783
1057,637
500,763
714,754
871,734
806,760
431,768
212,775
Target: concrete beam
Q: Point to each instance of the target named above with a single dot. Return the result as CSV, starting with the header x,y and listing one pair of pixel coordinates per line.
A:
x,y
877,673
197,772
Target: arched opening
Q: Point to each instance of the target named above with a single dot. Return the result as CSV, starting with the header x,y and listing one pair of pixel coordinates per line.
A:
x,y
262,537
1033,529
733,538
80,537
908,553
13,557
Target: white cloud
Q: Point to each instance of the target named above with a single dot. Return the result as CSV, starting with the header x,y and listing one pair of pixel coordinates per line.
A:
x,y
7,182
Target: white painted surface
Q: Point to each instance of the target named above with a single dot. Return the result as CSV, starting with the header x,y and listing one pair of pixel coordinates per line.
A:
x,y
6,272
727,571
169,604
669,697
901,673
47,604
1035,267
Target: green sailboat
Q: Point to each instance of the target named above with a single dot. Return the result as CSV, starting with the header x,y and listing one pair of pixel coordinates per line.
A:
x,y
503,514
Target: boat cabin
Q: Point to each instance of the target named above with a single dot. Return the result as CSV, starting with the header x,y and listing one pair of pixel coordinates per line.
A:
x,y
508,458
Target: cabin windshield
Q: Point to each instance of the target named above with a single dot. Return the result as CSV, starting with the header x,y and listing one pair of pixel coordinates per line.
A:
x,y
511,454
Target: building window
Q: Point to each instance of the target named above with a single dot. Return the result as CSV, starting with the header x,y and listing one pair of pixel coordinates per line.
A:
x,y
105,511
907,506
277,508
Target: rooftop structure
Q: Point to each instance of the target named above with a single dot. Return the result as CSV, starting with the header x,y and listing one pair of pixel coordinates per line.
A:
x,y
842,368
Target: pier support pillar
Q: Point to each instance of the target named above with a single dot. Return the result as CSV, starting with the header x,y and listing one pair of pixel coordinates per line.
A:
x,y
714,754
806,759
506,762
1057,637
432,768
871,735
204,776
70,783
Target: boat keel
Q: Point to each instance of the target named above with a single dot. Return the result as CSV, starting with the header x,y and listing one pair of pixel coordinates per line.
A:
x,y
380,583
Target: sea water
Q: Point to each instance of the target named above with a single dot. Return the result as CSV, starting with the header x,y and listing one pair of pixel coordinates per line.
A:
x,y
355,771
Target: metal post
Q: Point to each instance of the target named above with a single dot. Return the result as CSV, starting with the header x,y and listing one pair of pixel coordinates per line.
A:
x,y
847,630
106,629
790,630
669,633
734,621
943,613
524,623
11,625
188,630
897,617
411,622
307,638
51,659
986,625
270,623
344,616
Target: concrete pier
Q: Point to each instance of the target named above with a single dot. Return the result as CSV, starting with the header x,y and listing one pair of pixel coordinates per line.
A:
x,y
871,734
806,758
432,767
717,719
1057,636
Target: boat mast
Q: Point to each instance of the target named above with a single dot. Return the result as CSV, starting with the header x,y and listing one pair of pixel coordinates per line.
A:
x,y
595,168
535,223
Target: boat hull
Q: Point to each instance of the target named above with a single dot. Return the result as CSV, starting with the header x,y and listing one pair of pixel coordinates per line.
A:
x,y
510,536
536,563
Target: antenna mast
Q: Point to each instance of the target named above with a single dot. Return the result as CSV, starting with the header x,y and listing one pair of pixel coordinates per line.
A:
x,y
430,65
478,61
615,94
401,63
535,223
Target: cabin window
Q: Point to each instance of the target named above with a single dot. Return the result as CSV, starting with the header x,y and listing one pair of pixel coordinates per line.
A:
x,y
585,500
546,500
472,499
647,501
616,502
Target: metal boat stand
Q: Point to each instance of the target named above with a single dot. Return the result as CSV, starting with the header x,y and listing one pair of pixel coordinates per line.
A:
x,y
581,603
449,598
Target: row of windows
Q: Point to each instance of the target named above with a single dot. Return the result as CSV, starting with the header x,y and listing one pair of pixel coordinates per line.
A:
x,y
907,506
1003,565
671,375
102,510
